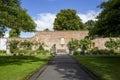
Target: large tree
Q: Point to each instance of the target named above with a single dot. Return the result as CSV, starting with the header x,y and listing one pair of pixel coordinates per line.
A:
x,y
90,24
2,31
108,23
12,15
68,20
14,33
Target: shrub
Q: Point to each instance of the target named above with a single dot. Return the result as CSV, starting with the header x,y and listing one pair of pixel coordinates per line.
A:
x,y
113,45
26,45
13,46
73,45
41,50
25,48
76,53
2,52
84,44
96,51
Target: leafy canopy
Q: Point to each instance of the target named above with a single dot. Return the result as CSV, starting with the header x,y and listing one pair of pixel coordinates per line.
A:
x,y
12,15
108,23
113,44
84,44
68,20
90,24
14,33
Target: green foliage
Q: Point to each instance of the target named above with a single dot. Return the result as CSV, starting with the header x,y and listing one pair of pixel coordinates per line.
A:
x,y
90,24
24,52
2,52
108,24
41,47
84,44
113,44
73,44
21,67
46,29
76,53
13,46
96,51
14,33
12,15
2,31
68,20
26,45
26,48
105,67
41,50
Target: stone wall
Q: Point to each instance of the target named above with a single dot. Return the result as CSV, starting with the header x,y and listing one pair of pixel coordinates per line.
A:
x,y
100,42
59,38
21,39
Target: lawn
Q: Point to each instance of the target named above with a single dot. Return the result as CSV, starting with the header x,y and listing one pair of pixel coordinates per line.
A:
x,y
20,67
106,67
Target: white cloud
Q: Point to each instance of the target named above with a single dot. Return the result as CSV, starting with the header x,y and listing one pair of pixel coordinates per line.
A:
x,y
44,20
90,15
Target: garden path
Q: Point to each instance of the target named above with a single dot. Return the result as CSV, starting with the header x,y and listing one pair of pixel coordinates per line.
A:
x,y
63,67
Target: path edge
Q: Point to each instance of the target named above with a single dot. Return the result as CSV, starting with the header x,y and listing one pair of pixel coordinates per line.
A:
x,y
39,71
90,73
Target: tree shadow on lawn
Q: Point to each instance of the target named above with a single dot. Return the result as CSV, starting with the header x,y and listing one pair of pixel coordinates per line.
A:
x,y
108,57
101,58
19,60
106,66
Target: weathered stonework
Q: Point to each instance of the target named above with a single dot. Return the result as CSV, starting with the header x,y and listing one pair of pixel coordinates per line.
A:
x,y
100,42
61,38
58,37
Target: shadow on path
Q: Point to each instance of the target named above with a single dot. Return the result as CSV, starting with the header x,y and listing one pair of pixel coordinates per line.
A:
x,y
63,67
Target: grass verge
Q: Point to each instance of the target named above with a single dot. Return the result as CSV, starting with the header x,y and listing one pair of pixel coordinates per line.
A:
x,y
20,67
105,67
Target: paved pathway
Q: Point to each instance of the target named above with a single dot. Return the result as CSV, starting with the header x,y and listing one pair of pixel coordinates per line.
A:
x,y
63,68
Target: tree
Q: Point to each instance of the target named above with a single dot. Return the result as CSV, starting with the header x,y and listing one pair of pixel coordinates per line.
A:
x,y
2,31
68,20
90,24
46,29
8,11
108,23
12,15
14,33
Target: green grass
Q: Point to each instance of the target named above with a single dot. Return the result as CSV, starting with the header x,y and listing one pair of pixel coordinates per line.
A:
x,y
20,67
106,67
